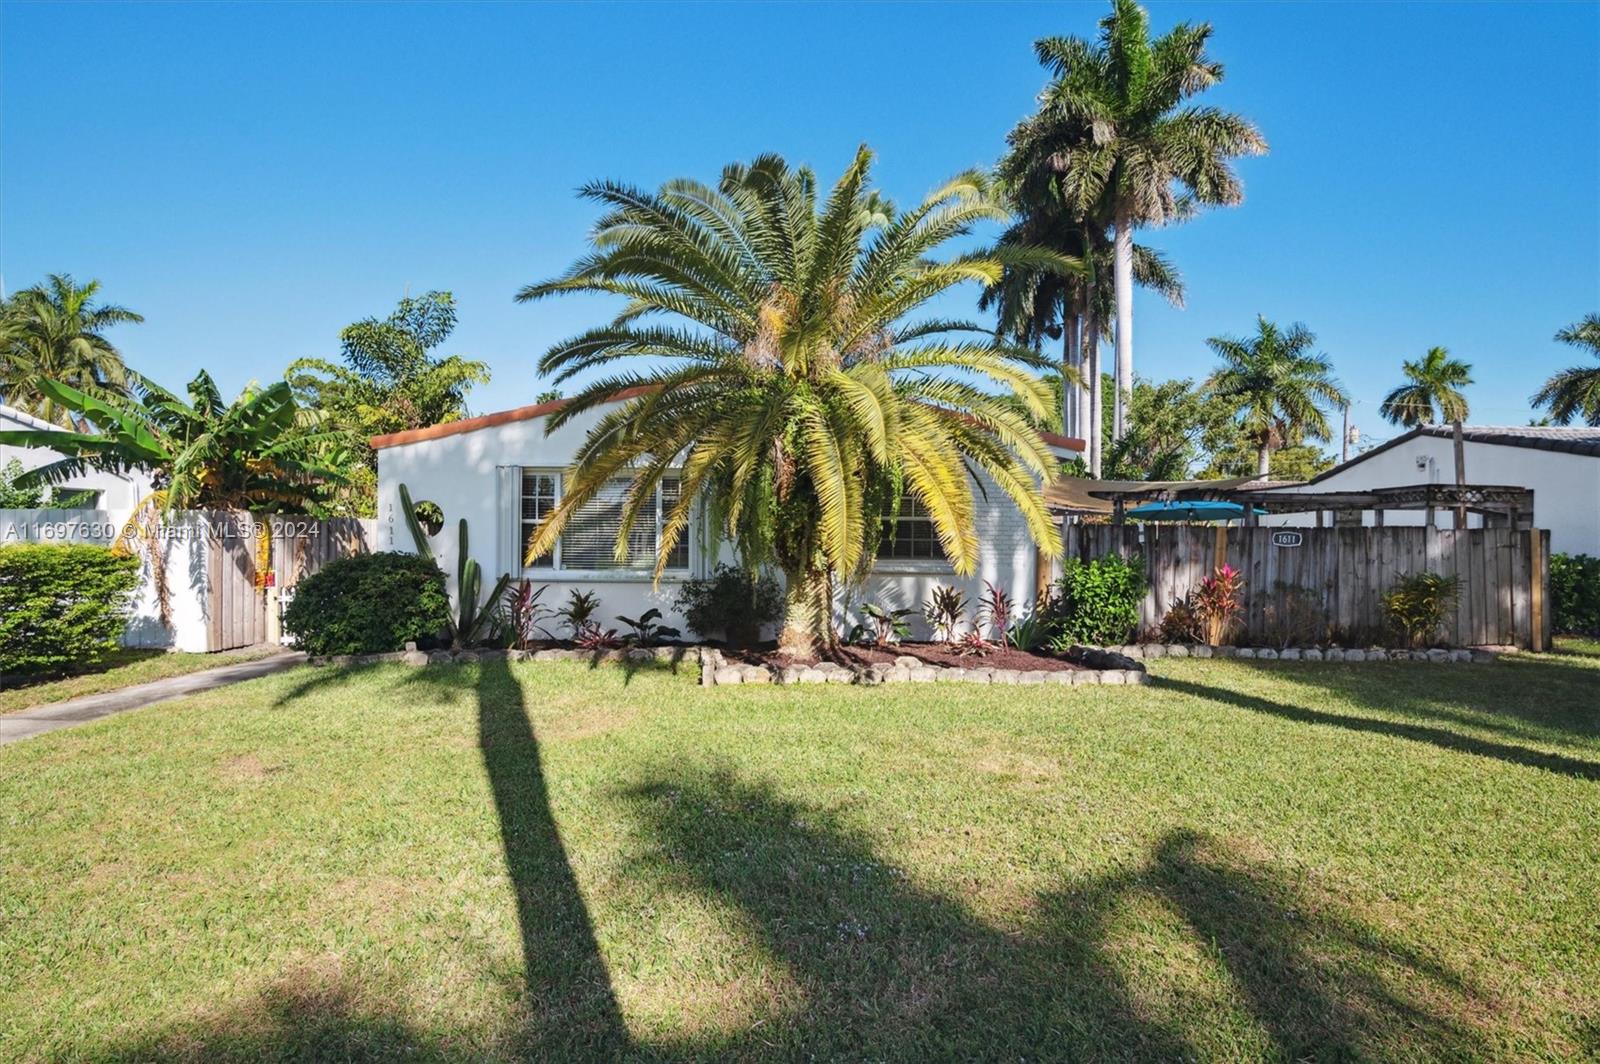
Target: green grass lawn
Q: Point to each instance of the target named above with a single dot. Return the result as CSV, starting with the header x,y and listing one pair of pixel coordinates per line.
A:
x,y
544,860
120,668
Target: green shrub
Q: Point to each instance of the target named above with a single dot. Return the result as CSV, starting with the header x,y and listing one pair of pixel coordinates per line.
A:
x,y
1416,606
733,601
1575,593
369,604
62,607
1098,602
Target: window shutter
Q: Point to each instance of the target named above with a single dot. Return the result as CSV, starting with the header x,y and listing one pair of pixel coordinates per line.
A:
x,y
508,482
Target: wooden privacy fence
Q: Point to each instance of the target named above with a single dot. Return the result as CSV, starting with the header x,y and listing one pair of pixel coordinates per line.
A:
x,y
1330,582
243,549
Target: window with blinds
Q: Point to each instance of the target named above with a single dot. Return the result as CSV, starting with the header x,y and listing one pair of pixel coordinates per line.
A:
x,y
909,534
590,538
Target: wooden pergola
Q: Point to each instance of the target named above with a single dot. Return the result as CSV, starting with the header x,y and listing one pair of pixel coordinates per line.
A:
x,y
1499,505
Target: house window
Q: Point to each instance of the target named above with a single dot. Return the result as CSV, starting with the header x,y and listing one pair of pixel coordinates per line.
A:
x,y
589,540
909,534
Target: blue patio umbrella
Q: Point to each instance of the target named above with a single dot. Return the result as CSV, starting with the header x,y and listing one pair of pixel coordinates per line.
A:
x,y
1199,510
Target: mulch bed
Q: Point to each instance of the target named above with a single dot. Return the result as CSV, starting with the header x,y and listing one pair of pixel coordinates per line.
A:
x,y
936,654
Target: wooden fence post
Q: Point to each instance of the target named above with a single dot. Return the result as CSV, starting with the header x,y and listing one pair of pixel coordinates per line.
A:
x,y
1219,556
1536,591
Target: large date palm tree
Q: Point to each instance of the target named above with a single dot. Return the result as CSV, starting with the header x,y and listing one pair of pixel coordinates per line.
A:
x,y
1575,392
1114,123
56,330
793,384
1277,386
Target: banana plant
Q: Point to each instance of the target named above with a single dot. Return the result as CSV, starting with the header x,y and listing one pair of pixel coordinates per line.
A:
x,y
468,625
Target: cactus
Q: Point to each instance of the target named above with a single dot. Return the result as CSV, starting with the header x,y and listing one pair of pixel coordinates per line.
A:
x,y
467,626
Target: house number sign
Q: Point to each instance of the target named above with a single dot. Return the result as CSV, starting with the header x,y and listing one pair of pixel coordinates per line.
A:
x,y
1287,539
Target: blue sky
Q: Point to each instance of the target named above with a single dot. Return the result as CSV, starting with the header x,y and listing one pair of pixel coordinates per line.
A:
x,y
253,177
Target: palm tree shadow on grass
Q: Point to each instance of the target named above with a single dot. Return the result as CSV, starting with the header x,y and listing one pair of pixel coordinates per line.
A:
x,y
890,971
1443,738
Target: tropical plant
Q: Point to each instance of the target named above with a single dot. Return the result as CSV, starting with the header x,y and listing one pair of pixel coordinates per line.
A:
x,y
1097,602
14,496
56,331
474,617
1432,392
523,613
883,625
1575,594
1218,602
389,381
734,601
254,454
1180,624
369,604
1276,386
592,637
647,629
1113,123
793,386
972,645
995,608
578,613
944,611
1575,392
1416,605
1030,631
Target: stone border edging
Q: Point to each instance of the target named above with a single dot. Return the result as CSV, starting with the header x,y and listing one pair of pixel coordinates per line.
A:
x,y
1438,655
715,670
669,655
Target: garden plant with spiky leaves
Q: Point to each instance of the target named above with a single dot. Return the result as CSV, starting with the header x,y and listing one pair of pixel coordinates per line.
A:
x,y
1276,385
795,385
1575,392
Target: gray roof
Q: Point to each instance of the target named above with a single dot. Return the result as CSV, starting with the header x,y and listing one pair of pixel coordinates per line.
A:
x,y
1539,437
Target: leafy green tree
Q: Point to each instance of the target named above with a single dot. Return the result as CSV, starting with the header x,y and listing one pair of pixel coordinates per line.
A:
x,y
1276,387
15,496
1432,392
1575,392
389,382
1115,123
57,331
792,380
255,453
1173,426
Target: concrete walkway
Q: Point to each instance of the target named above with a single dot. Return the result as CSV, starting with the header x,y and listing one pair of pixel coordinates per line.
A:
x,y
27,723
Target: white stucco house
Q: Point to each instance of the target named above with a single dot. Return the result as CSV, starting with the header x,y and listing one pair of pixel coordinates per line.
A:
x,y
1560,465
503,474
117,494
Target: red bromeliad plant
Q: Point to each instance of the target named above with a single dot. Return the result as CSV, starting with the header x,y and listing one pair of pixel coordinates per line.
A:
x,y
1218,602
996,607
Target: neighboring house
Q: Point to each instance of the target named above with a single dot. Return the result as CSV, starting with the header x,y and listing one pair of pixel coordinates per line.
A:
x,y
1561,465
503,474
117,494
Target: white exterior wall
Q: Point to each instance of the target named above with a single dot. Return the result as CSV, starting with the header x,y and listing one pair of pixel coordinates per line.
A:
x,y
119,492
1566,487
467,476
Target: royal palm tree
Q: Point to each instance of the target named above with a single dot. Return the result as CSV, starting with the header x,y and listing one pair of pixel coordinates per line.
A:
x,y
1113,122
1432,392
56,331
793,382
254,454
1575,392
1276,385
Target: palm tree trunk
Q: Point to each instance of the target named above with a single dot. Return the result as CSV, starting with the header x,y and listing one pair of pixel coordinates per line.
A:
x,y
1069,366
1264,461
1123,251
807,613
1091,367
